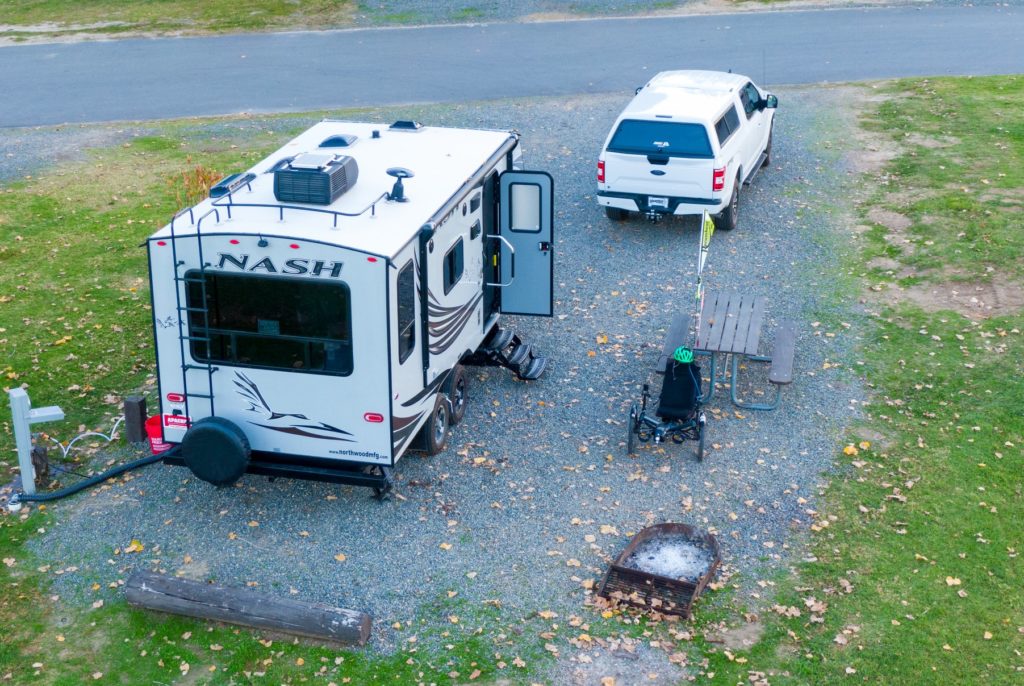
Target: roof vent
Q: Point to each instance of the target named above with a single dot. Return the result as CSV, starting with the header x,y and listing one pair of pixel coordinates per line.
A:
x,y
316,178
406,125
343,140
230,184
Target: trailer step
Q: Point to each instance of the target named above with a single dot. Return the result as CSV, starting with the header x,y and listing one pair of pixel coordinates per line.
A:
x,y
498,340
534,369
520,354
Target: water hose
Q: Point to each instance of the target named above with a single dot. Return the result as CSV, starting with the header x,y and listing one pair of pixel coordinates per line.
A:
x,y
18,498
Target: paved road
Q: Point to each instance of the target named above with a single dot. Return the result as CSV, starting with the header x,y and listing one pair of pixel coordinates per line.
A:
x,y
161,78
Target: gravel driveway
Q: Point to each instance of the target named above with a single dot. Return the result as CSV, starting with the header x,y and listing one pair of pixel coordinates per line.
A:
x,y
536,492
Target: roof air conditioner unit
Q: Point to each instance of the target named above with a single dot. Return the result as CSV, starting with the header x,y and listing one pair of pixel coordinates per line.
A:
x,y
319,179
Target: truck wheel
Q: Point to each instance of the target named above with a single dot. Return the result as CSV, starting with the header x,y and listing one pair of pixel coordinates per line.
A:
x,y
730,214
435,431
455,389
616,213
216,450
768,149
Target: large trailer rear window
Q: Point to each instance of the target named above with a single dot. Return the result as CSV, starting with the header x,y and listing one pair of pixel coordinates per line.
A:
x,y
275,323
675,139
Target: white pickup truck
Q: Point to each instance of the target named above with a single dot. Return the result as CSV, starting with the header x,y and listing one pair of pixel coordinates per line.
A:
x,y
686,143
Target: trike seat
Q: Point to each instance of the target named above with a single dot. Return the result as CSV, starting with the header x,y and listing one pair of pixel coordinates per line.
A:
x,y
680,391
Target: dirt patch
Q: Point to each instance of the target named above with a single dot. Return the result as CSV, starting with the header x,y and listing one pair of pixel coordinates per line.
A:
x,y
931,142
975,300
743,637
879,440
884,263
893,221
896,225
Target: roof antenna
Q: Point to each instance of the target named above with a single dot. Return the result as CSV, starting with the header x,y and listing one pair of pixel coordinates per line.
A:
x,y
398,190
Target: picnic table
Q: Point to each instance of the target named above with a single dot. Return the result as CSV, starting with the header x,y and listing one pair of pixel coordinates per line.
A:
x,y
730,325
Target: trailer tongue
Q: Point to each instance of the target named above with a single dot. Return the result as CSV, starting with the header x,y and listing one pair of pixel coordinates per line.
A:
x,y
313,316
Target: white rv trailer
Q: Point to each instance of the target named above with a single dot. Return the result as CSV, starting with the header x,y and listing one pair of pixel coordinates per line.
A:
x,y
312,316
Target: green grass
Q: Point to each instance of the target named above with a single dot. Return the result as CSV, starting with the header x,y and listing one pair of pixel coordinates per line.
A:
x,y
918,539
918,568
167,16
76,329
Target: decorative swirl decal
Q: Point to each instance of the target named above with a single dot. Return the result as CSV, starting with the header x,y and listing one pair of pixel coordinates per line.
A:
x,y
248,389
446,324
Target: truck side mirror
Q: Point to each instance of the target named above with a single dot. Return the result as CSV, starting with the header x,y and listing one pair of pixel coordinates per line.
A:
x,y
771,102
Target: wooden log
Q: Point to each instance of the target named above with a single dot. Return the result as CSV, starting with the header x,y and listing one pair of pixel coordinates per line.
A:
x,y
241,606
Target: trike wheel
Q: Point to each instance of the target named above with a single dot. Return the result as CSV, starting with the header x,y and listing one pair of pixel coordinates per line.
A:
x,y
634,415
700,442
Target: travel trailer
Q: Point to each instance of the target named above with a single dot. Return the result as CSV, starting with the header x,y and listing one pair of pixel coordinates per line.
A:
x,y
314,316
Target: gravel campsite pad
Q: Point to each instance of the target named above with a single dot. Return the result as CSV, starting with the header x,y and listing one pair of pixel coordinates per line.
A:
x,y
536,495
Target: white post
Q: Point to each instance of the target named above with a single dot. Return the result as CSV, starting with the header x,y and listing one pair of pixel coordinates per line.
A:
x,y
23,416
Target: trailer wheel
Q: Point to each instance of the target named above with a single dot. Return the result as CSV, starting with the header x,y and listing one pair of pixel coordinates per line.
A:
x,y
455,389
435,431
216,450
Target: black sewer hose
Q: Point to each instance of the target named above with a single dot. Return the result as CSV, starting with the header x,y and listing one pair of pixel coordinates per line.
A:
x,y
19,498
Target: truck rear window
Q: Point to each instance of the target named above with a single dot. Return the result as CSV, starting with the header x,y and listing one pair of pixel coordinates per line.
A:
x,y
635,137
273,323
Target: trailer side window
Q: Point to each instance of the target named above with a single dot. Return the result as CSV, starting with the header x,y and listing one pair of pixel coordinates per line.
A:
x,y
453,264
406,311
301,325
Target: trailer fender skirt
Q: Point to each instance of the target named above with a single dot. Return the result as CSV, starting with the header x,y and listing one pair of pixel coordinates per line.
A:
x,y
216,450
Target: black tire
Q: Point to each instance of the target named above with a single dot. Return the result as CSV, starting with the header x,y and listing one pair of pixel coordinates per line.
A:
x,y
435,431
634,413
768,149
616,213
216,450
730,215
455,388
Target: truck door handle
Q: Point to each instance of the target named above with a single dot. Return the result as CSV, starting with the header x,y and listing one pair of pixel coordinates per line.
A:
x,y
544,246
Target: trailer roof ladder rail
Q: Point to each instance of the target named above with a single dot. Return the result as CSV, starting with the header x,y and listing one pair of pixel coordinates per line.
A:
x,y
188,313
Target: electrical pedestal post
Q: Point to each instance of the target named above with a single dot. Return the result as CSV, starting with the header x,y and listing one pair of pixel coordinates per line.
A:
x,y
23,417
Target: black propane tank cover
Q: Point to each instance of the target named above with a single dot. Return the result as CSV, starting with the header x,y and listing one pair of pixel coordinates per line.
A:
x,y
216,450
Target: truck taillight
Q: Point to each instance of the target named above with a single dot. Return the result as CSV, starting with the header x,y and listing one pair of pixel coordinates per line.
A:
x,y
718,179
600,171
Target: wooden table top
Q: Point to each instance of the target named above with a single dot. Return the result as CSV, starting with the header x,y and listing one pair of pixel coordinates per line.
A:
x,y
731,323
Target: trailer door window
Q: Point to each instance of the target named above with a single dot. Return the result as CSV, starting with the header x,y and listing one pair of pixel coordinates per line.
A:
x,y
406,312
274,323
453,264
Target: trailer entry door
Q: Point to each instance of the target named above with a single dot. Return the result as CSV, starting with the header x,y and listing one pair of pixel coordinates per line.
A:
x,y
527,242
